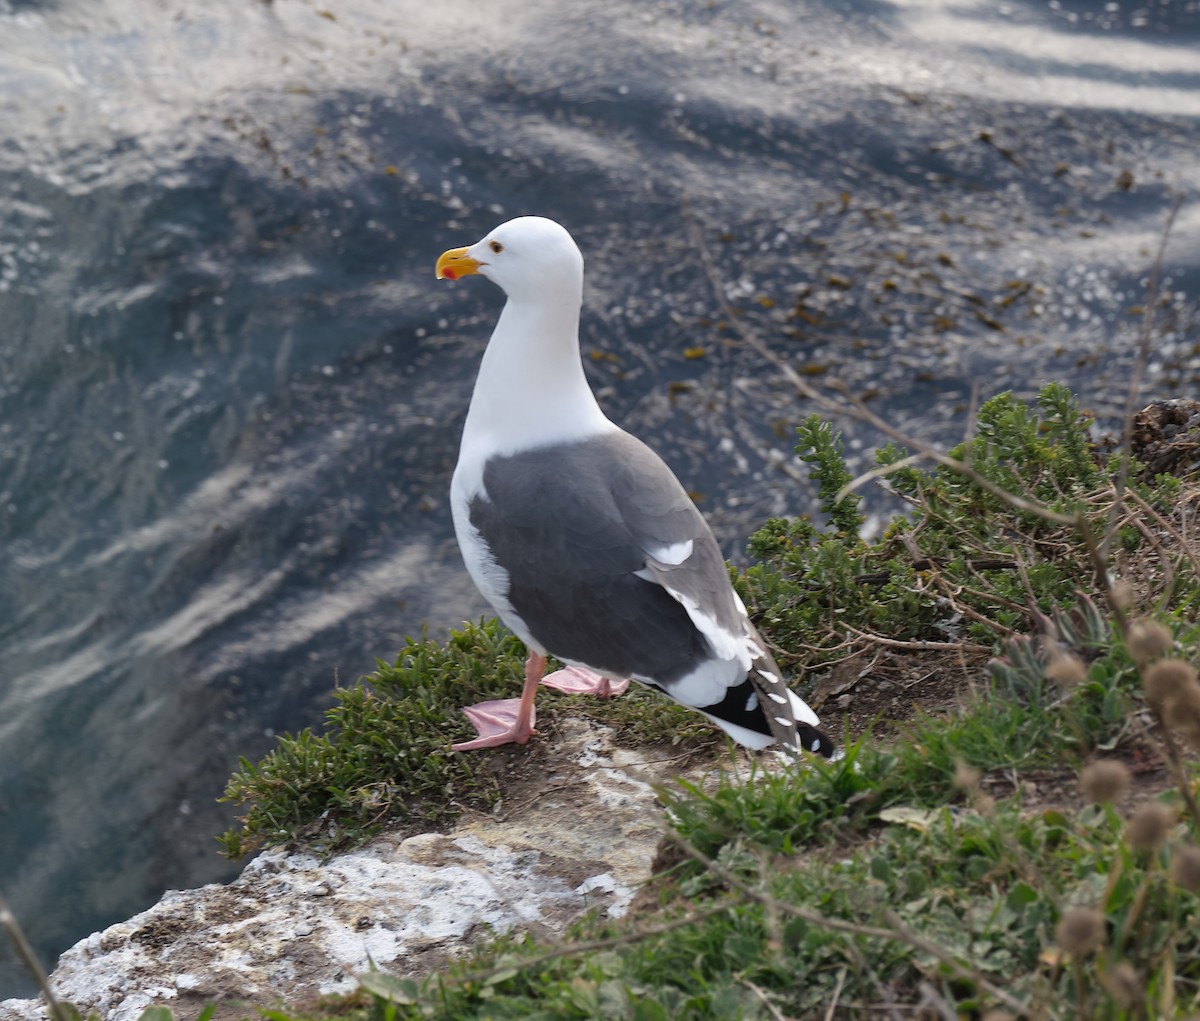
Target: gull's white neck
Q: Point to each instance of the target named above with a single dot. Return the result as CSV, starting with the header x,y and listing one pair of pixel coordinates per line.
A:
x,y
531,388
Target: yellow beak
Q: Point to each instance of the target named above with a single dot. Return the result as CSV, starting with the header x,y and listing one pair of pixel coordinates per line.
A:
x,y
455,263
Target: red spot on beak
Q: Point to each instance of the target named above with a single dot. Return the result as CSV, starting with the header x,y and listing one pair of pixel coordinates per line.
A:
x,y
449,274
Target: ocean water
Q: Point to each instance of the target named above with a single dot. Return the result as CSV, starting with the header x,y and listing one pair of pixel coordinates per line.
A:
x,y
230,388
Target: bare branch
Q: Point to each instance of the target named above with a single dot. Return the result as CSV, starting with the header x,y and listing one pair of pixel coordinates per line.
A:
x,y
895,643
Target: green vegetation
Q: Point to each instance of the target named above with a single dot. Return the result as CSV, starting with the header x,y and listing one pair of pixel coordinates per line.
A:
x,y
922,873
384,753
963,562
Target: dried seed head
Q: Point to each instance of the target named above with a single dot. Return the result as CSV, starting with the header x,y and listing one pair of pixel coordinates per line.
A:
x,y
1185,867
1066,670
1162,679
1124,985
1171,683
1079,931
966,777
1149,826
1181,708
1147,640
1104,780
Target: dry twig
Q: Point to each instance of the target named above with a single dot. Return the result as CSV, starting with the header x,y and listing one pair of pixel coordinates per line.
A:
x,y
895,643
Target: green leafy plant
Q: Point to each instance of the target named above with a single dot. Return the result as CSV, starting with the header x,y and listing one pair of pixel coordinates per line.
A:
x,y
384,753
963,563
772,812
821,447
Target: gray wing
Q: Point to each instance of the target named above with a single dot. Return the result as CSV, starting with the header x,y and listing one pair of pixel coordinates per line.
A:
x,y
592,535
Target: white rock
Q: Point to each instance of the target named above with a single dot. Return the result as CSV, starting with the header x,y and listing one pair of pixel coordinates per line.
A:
x,y
290,928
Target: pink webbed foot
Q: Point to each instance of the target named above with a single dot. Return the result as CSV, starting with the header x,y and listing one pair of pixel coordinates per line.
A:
x,y
573,680
506,720
497,723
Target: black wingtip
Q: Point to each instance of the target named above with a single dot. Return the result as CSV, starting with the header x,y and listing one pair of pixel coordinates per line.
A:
x,y
815,741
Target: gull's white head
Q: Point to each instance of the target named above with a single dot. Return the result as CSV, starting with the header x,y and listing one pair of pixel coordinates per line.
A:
x,y
529,258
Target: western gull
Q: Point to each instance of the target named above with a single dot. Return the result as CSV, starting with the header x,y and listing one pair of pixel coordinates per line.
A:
x,y
580,536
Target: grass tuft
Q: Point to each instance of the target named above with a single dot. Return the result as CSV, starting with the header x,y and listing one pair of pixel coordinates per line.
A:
x,y
384,751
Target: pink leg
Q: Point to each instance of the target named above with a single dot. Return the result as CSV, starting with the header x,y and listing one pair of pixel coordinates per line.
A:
x,y
573,680
509,720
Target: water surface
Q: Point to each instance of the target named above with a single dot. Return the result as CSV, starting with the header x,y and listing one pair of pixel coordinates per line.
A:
x,y
230,389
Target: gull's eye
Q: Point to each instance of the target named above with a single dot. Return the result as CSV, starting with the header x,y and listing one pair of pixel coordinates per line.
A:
x,y
496,247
